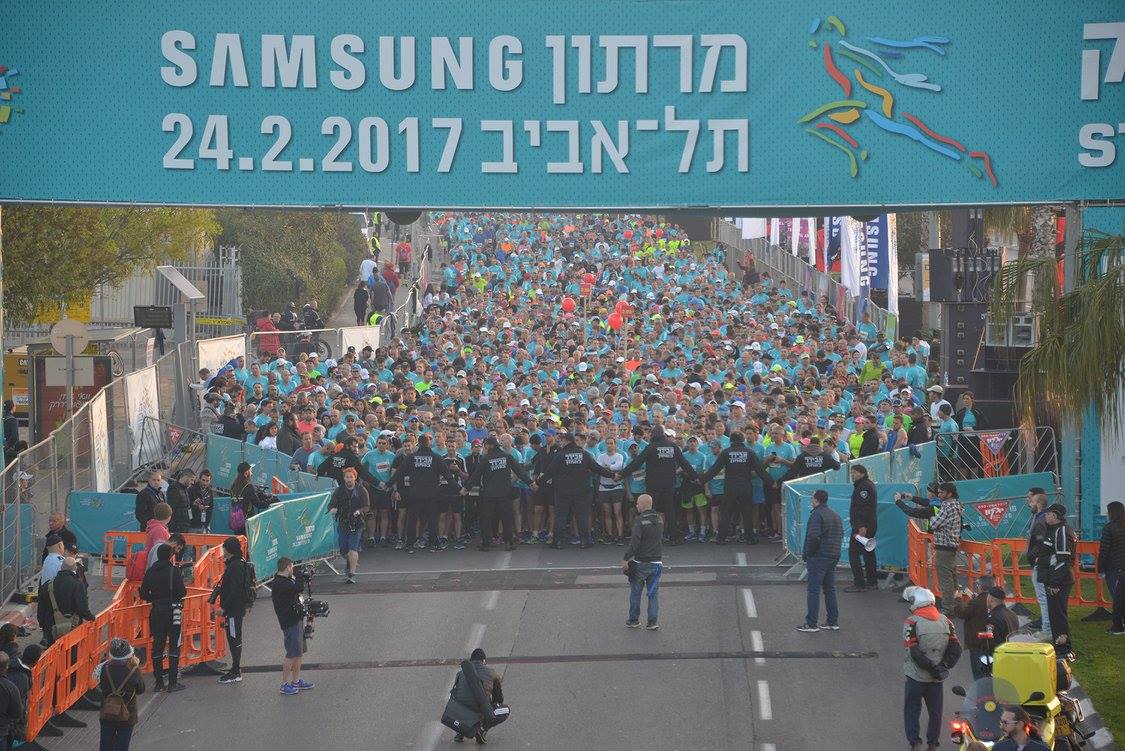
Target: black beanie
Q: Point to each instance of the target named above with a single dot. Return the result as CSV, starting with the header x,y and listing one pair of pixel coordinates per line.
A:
x,y
233,546
477,655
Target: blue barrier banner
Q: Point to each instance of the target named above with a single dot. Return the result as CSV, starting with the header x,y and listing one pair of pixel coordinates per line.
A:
x,y
223,457
997,506
268,463
914,464
91,515
300,528
890,550
220,516
28,555
579,104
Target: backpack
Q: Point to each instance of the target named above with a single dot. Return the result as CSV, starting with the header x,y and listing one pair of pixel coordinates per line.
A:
x,y
63,624
114,706
136,564
237,519
249,591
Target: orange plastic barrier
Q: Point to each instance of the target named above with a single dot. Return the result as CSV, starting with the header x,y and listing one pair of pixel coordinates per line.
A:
x,y
65,671
114,563
1003,559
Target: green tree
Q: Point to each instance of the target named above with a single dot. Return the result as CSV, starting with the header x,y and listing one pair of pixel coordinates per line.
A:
x,y
1079,361
293,255
60,254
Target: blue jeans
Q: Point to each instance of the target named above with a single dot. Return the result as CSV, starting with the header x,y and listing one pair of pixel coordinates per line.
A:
x,y
1041,596
1115,588
647,579
916,693
115,737
822,576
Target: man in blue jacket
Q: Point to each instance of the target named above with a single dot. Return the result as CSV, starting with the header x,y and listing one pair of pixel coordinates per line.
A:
x,y
821,554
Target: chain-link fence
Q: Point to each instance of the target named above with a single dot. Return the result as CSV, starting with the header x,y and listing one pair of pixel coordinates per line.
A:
x,y
99,448
979,454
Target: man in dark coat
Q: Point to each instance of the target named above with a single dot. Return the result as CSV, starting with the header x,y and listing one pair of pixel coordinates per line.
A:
x,y
150,495
69,595
863,514
465,695
660,458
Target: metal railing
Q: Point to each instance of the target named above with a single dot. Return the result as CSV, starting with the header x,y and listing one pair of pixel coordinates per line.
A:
x,y
795,271
976,454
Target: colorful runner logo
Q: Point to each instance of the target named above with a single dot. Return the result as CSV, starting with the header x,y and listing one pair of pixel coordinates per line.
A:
x,y
994,441
993,511
868,63
7,94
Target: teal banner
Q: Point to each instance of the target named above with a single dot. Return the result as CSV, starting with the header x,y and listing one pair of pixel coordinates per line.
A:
x,y
568,104
997,506
299,528
223,457
91,515
890,551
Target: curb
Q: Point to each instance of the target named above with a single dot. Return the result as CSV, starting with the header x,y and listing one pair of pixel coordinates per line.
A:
x,y
1102,739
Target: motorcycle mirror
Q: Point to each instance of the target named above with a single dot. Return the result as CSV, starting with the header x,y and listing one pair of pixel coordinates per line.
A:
x,y
959,691
1036,696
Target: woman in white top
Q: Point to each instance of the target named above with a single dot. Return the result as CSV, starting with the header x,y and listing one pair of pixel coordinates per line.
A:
x,y
267,436
611,493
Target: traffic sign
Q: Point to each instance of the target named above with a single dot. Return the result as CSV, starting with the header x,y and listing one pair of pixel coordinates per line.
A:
x,y
68,328
55,369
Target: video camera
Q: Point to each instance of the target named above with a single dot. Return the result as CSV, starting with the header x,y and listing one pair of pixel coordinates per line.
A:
x,y
313,609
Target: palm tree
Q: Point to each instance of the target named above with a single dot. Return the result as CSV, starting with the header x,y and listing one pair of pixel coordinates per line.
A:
x,y
1079,361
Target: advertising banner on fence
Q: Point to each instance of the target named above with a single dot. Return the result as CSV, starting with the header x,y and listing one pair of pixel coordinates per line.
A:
x,y
99,443
891,549
301,529
359,337
141,402
215,353
619,103
91,515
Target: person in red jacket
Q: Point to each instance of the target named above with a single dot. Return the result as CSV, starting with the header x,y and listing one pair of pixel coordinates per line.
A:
x,y
268,342
391,277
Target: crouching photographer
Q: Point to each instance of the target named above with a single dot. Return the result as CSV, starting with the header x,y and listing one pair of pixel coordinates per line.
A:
x,y
290,616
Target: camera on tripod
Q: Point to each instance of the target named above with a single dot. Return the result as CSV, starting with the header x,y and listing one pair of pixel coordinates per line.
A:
x,y
303,575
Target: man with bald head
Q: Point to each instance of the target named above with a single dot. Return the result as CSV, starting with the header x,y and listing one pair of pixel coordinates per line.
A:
x,y
642,563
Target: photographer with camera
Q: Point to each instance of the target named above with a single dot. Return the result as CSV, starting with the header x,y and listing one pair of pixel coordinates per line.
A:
x,y
163,586
946,522
286,595
349,504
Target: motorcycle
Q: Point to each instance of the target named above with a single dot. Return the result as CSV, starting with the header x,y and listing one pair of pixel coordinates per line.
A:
x,y
1026,674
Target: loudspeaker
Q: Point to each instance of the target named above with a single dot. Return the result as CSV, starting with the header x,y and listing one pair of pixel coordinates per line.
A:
x,y
941,276
968,228
961,327
999,413
963,274
909,317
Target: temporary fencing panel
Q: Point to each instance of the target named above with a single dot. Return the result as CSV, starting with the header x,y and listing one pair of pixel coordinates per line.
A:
x,y
300,528
1004,559
891,550
65,671
93,514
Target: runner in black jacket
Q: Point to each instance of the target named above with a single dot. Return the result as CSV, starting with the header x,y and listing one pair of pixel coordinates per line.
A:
x,y
740,463
494,473
811,460
571,470
660,458
421,469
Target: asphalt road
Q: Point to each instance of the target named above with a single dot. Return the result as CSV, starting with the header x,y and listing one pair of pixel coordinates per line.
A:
x,y
727,669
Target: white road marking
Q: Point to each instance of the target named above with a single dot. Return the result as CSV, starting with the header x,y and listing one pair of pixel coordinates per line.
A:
x,y
476,637
748,602
756,644
430,736
765,709
490,599
769,747
506,560
402,572
740,559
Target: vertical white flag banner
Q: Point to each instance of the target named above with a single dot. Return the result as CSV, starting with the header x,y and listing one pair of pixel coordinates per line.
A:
x,y
752,229
850,248
794,235
810,235
775,231
892,264
141,402
99,443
